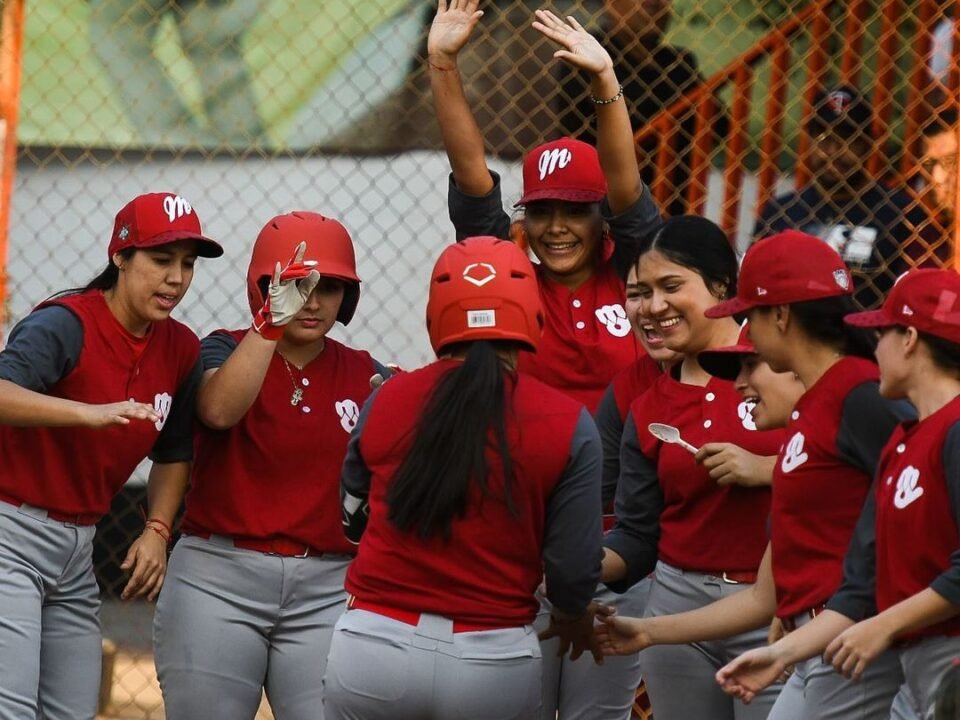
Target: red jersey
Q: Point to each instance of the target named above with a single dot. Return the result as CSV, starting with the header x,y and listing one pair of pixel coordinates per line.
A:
x,y
276,473
633,381
488,572
704,526
818,493
76,470
587,338
916,528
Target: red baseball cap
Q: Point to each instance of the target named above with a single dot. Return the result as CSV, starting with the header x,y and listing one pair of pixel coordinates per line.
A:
x,y
724,362
157,219
565,169
926,299
785,268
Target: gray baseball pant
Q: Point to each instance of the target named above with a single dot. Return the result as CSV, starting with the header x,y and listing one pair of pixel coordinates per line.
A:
x,y
924,664
384,669
49,617
680,678
231,623
816,690
580,689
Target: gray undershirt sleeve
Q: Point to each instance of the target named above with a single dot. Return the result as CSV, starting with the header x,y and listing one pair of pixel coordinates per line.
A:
x,y
639,503
947,583
610,426
355,480
472,216
175,443
215,348
572,528
42,349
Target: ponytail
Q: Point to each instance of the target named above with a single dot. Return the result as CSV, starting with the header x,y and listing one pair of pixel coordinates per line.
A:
x,y
463,415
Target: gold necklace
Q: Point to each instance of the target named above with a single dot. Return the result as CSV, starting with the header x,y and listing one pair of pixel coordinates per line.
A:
x,y
297,397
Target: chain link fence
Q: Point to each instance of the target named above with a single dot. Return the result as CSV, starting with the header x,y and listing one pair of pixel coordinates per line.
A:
x,y
250,108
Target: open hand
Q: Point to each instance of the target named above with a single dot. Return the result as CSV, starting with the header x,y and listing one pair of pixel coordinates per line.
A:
x,y
119,413
750,673
620,635
578,47
451,28
576,634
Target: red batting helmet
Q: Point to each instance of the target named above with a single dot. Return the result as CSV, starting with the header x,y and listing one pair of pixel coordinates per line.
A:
x,y
483,288
328,243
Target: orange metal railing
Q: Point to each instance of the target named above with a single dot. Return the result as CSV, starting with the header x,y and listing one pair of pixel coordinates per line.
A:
x,y
11,46
738,76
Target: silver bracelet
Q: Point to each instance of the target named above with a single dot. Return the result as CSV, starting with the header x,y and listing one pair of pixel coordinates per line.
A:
x,y
608,101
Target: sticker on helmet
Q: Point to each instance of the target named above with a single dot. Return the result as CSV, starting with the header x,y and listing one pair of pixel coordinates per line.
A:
x,y
481,318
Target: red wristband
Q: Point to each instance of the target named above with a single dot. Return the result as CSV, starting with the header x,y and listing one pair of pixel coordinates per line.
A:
x,y
262,327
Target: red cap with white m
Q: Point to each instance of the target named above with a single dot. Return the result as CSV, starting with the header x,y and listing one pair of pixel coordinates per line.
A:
x,y
157,219
564,169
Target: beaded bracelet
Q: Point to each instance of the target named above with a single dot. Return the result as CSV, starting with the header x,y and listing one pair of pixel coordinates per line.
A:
x,y
608,101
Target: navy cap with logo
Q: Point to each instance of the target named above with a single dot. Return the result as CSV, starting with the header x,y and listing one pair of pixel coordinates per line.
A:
x,y
842,109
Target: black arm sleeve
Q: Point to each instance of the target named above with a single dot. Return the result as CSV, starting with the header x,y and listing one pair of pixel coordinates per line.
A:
x,y
572,531
42,349
355,480
866,424
175,443
630,228
472,216
215,348
947,583
639,503
610,426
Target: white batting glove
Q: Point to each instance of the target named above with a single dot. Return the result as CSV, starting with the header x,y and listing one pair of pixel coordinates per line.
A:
x,y
288,293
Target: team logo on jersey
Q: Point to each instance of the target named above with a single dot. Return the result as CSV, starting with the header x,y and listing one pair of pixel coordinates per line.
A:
x,y
907,488
349,414
161,405
175,206
745,412
614,319
793,454
479,274
551,160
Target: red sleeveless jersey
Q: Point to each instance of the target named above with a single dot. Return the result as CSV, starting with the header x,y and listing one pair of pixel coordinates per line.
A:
x,y
276,473
74,470
488,572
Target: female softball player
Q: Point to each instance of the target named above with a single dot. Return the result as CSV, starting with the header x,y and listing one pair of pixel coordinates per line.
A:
x,y
917,491
91,383
796,290
584,209
708,538
256,583
466,480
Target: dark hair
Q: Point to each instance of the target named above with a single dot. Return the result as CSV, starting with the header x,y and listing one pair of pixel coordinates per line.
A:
x,y
464,413
822,320
698,244
105,279
945,353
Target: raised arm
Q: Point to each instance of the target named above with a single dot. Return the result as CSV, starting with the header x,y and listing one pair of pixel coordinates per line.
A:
x,y
450,31
615,145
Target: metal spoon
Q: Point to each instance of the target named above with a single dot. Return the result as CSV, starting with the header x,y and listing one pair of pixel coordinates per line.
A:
x,y
669,434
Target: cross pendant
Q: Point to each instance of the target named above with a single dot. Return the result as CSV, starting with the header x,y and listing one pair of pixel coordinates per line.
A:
x,y
296,397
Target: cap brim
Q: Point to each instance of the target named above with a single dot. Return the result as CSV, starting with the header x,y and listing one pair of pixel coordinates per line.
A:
x,y
733,306
869,319
205,246
566,194
724,363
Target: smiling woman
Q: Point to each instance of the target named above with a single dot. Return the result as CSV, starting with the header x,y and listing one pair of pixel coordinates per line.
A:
x,y
91,382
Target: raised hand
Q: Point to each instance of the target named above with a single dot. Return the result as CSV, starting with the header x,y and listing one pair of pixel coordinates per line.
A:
x,y
750,673
620,635
119,413
578,47
289,290
451,28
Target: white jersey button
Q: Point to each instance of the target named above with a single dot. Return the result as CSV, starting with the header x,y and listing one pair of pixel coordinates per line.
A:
x,y
577,303
581,325
795,415
707,423
305,382
306,409
901,448
711,397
